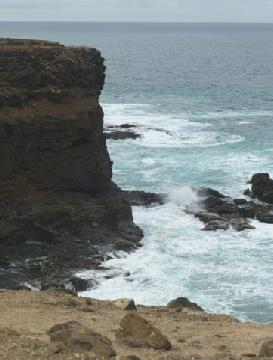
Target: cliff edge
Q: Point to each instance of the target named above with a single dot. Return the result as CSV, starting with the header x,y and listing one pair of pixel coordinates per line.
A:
x,y
59,209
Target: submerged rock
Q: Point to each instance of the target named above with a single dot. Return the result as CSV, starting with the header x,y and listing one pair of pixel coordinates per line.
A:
x,y
121,135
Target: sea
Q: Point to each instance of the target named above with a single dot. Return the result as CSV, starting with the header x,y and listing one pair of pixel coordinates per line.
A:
x,y
201,96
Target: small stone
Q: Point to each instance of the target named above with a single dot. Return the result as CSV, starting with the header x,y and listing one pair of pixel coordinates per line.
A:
x,y
125,304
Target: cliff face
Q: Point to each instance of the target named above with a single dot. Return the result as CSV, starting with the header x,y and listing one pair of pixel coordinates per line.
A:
x,y
59,210
51,123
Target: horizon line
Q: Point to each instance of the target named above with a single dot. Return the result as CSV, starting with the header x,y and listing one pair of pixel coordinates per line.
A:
x,y
137,22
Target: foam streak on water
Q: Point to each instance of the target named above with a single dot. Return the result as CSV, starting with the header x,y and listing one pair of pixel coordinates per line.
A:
x,y
225,272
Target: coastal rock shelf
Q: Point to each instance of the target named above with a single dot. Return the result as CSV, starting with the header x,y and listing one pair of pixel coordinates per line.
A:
x,y
59,209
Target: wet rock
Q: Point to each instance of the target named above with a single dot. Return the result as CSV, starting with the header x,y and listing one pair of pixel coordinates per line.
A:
x,y
82,284
207,217
183,303
77,337
122,126
259,178
121,135
125,304
217,225
138,332
205,192
241,225
266,218
212,203
266,349
262,187
142,198
240,202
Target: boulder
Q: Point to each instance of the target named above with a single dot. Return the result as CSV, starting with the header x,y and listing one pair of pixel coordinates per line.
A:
x,y
262,187
259,178
183,303
138,332
241,225
77,337
82,284
207,217
125,304
266,349
142,198
217,225
205,192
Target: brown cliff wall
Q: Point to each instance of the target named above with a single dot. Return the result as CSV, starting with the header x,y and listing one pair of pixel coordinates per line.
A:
x,y
51,123
59,210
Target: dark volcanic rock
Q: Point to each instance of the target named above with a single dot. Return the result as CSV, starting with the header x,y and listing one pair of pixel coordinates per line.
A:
x,y
142,198
265,218
59,210
121,135
183,303
221,212
51,131
217,225
262,187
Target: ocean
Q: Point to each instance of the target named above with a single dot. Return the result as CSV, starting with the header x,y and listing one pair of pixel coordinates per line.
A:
x,y
201,95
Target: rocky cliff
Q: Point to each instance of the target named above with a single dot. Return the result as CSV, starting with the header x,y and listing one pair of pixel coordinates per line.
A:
x,y
59,210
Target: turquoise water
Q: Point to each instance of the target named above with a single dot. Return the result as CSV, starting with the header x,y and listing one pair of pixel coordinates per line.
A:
x,y
201,96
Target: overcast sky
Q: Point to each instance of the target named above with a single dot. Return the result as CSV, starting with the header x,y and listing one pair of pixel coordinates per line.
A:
x,y
138,10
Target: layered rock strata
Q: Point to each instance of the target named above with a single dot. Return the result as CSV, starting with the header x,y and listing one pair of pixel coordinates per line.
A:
x,y
59,209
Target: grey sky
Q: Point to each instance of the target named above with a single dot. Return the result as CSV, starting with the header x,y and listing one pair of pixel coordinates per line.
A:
x,y
138,10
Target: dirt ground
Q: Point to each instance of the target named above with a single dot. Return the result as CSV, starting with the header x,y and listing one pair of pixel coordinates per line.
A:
x,y
26,317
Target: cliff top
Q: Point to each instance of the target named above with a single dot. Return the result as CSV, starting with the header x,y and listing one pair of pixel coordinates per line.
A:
x,y
26,317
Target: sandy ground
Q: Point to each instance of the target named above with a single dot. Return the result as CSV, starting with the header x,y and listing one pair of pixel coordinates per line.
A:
x,y
25,318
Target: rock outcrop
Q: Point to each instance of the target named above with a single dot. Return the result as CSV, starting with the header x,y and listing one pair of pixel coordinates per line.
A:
x,y
59,209
220,212
262,187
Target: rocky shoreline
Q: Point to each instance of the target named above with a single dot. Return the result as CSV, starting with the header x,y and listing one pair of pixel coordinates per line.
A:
x,y
61,213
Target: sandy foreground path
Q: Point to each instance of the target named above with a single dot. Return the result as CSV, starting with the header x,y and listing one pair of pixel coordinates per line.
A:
x,y
26,317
